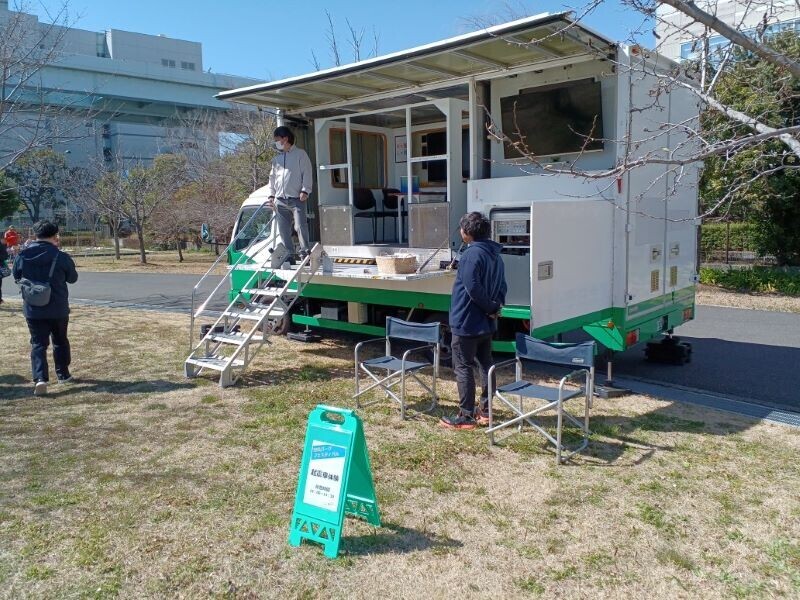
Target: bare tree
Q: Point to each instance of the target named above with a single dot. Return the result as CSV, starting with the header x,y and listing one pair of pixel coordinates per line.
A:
x,y
97,194
356,39
28,119
172,221
145,188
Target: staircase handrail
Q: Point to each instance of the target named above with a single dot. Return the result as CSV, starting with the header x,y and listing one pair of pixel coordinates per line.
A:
x,y
224,254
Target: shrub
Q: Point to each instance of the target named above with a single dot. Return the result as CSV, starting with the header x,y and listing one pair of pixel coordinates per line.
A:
x,y
756,279
713,236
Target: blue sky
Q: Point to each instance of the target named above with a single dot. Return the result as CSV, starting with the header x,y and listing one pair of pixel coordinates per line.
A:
x,y
272,40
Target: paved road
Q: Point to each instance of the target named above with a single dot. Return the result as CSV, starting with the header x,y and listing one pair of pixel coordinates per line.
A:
x,y
138,290
746,353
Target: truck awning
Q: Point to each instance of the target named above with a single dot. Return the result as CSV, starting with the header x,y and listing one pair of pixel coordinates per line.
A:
x,y
527,42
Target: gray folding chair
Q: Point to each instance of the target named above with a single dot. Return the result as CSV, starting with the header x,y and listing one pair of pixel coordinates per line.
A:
x,y
546,397
398,370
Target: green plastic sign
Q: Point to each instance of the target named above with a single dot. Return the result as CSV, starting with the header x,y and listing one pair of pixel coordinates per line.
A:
x,y
335,479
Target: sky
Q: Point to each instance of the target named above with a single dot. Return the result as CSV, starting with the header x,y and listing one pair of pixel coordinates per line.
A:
x,y
272,40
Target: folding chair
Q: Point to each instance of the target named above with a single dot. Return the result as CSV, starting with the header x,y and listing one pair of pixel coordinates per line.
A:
x,y
553,397
398,370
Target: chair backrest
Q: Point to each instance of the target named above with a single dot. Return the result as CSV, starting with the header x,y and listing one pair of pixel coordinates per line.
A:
x,y
573,355
390,197
363,199
418,332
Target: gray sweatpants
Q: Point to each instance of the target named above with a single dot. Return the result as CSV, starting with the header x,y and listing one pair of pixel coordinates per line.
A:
x,y
289,210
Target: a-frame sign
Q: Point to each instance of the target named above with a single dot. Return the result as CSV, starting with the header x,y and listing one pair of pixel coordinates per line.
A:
x,y
335,479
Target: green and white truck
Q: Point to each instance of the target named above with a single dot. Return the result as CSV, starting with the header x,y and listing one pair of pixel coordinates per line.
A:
x,y
402,149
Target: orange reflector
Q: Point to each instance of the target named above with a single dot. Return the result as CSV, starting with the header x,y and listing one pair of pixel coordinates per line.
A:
x,y
610,324
688,314
632,338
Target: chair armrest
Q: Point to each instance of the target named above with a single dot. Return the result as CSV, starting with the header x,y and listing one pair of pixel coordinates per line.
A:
x,y
500,365
572,376
365,342
411,351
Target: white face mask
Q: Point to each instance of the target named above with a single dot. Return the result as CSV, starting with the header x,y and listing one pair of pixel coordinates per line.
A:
x,y
279,145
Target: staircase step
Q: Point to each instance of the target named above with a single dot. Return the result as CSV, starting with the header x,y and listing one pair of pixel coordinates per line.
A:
x,y
269,292
216,363
237,339
256,314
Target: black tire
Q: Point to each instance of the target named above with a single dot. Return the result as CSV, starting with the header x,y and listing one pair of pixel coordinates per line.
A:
x,y
445,339
284,326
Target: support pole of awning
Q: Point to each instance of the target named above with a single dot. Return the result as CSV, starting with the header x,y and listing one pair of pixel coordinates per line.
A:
x,y
349,145
473,130
409,171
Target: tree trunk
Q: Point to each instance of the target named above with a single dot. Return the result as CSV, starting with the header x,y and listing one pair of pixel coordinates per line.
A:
x,y
115,232
180,250
140,237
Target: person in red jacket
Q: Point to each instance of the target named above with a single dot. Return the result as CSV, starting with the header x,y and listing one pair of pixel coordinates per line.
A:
x,y
11,237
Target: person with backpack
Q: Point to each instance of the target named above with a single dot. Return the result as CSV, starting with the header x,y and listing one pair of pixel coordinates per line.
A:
x,y
43,272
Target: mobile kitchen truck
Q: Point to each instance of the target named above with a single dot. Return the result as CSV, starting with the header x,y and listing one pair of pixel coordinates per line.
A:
x,y
401,151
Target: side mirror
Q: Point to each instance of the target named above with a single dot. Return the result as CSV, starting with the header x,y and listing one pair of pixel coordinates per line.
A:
x,y
205,233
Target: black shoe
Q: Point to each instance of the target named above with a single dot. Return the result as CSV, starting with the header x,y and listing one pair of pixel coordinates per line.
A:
x,y
66,379
458,422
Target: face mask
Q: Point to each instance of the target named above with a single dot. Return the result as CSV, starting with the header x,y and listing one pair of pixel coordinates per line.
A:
x,y
279,145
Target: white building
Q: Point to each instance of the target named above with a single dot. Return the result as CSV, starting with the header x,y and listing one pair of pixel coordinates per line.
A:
x,y
132,85
679,37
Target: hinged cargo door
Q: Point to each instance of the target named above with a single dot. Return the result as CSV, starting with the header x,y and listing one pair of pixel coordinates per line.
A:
x,y
571,261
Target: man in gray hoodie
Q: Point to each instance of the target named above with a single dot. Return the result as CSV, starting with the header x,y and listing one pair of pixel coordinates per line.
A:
x,y
37,262
290,183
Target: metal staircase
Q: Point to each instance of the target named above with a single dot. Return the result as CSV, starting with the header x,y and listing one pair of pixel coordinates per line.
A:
x,y
244,327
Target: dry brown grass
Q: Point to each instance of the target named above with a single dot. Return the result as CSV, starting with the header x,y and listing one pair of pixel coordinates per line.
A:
x,y
195,263
133,482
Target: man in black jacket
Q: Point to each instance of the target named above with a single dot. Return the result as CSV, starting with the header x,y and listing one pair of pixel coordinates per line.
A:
x,y
479,293
51,320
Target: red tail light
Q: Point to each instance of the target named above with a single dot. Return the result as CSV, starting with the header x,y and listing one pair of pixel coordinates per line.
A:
x,y
632,338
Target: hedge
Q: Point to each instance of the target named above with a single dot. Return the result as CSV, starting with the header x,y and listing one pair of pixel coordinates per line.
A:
x,y
713,235
756,279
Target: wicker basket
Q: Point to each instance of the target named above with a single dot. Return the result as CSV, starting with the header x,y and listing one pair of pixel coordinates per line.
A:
x,y
396,265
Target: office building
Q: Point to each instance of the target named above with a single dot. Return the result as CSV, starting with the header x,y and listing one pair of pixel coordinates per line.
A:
x,y
679,38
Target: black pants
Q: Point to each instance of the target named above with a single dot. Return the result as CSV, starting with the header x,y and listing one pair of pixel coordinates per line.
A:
x,y
41,332
469,353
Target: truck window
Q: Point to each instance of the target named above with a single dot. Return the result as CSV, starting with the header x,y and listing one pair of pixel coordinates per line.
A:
x,y
257,229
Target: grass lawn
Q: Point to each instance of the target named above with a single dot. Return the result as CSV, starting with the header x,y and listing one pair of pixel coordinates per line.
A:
x,y
157,262
134,482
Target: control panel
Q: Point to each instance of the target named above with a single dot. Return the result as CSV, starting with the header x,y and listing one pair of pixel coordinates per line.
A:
x,y
513,232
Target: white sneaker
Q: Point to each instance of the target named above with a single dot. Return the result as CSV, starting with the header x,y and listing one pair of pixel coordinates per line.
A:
x,y
40,389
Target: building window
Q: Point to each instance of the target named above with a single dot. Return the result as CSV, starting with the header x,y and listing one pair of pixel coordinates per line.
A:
x,y
189,66
718,45
167,62
369,158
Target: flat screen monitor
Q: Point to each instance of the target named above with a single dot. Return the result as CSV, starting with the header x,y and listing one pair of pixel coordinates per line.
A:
x,y
554,119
